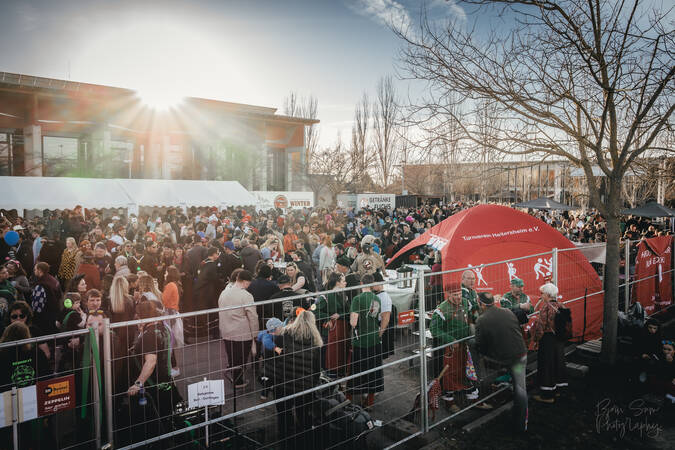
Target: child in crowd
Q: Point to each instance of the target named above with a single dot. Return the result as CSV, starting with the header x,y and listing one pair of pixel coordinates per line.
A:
x,y
270,350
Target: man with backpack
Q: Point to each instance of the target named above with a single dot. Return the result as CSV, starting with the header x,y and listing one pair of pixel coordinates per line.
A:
x,y
551,331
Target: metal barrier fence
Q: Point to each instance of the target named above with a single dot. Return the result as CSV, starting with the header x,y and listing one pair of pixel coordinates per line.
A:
x,y
272,400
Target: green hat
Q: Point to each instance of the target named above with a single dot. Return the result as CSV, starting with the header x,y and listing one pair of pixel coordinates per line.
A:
x,y
517,282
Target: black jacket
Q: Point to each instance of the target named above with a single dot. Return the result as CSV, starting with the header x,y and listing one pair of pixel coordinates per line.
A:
x,y
499,337
208,287
250,257
298,367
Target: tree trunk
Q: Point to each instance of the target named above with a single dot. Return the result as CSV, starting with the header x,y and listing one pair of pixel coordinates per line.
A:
x,y
611,281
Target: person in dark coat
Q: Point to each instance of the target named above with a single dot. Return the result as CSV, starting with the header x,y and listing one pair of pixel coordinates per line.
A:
x,y
249,255
499,340
263,288
296,370
208,285
228,261
194,258
45,299
50,252
207,289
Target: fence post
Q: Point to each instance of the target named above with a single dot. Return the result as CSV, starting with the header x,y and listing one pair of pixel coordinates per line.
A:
x,y
15,416
554,264
107,377
96,398
424,401
626,274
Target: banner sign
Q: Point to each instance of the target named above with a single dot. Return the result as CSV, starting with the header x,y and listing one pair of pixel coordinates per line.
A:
x,y
406,317
371,201
206,393
28,408
653,262
57,394
283,199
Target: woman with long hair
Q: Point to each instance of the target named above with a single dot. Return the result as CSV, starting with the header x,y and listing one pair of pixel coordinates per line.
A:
x,y
297,369
173,289
298,279
332,313
18,278
148,289
272,249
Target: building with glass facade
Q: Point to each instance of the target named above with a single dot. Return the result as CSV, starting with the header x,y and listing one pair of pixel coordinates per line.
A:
x,y
51,127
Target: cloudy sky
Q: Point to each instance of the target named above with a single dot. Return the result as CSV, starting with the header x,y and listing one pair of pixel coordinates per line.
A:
x,y
248,51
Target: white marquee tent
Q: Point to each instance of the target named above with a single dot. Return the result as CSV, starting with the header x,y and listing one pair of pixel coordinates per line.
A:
x,y
60,193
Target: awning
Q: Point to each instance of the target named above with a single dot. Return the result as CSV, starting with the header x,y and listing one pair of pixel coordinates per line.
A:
x,y
62,192
544,203
651,209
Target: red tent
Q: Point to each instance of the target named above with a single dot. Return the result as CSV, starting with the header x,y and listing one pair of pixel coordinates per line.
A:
x,y
494,234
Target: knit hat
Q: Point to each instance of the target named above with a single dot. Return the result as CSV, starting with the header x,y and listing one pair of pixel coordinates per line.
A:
x,y
517,282
273,323
229,244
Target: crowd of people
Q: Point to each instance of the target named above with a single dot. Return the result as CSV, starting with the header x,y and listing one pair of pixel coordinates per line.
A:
x,y
69,270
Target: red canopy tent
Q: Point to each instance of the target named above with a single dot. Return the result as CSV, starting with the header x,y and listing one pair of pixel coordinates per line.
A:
x,y
494,234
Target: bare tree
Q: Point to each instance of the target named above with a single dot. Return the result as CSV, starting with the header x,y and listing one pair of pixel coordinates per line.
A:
x,y
360,152
307,108
291,106
385,128
584,80
331,168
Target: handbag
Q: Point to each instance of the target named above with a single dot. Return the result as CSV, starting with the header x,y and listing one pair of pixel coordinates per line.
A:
x,y
470,369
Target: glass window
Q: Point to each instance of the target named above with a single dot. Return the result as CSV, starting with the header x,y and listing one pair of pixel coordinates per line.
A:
x,y
60,157
5,155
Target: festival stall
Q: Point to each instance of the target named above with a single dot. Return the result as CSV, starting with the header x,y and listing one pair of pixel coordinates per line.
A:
x,y
521,246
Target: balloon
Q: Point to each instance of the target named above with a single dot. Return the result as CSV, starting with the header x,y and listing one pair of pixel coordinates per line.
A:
x,y
12,238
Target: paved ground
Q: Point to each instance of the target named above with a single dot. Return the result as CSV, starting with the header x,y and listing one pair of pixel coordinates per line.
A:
x,y
571,423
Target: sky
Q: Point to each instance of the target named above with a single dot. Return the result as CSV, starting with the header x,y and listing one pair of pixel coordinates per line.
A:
x,y
254,52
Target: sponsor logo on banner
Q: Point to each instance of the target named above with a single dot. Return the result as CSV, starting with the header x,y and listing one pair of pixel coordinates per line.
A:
x,y
544,268
478,270
280,201
57,394
512,270
406,317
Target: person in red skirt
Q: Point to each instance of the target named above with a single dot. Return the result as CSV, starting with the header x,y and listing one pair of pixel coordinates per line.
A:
x,y
449,323
332,314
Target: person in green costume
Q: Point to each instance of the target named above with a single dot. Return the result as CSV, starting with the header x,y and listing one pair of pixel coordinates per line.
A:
x,y
516,299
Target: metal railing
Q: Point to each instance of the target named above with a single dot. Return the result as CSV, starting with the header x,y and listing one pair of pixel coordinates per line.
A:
x,y
246,420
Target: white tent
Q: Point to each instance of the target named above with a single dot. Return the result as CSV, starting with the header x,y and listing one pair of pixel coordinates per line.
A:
x,y
60,192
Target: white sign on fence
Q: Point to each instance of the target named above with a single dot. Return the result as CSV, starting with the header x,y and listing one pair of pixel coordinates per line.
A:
x,y
372,201
206,393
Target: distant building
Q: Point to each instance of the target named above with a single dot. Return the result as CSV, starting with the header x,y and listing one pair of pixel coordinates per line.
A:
x,y
52,127
513,181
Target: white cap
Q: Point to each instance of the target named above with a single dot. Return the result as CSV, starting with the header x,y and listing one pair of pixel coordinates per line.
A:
x,y
18,228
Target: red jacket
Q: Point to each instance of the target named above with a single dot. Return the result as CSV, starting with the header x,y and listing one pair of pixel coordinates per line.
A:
x,y
91,275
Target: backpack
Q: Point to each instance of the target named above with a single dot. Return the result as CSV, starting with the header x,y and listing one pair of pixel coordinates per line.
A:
x,y
563,323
